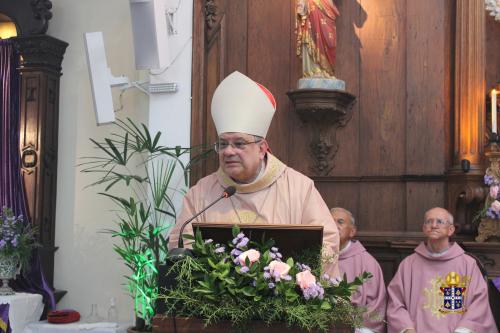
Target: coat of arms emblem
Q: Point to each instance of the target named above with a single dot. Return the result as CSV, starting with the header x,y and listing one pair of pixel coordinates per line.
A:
x,y
453,291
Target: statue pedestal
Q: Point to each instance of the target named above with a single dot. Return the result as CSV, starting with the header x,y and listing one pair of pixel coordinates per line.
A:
x,y
321,83
325,111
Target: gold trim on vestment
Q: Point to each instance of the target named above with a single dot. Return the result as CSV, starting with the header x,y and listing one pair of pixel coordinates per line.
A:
x,y
274,169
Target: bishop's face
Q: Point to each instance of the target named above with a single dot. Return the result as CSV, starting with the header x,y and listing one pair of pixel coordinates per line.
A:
x,y
241,155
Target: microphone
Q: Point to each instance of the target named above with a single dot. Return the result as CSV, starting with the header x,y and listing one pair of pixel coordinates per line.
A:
x,y
166,277
229,191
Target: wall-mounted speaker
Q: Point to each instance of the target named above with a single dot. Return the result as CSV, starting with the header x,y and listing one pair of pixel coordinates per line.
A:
x,y
101,78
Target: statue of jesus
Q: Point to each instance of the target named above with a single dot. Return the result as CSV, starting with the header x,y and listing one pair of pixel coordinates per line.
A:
x,y
316,37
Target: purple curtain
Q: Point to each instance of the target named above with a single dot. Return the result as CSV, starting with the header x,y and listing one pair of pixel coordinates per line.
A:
x,y
4,318
11,186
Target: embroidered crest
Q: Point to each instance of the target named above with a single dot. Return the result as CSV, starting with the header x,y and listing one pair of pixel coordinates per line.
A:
x,y
445,296
453,293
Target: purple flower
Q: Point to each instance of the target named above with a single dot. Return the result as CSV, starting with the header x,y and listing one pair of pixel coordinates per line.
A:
x,y
493,214
14,242
267,275
238,238
243,242
244,269
220,249
274,249
254,283
272,255
303,267
2,243
489,180
236,261
314,291
287,278
271,285
236,252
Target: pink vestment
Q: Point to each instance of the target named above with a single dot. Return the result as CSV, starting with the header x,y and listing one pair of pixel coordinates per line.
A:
x,y
439,294
280,196
353,261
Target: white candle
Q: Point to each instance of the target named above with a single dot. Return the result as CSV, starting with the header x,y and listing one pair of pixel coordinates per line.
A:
x,y
493,111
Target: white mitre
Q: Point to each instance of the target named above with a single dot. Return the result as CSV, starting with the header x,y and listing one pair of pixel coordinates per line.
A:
x,y
242,105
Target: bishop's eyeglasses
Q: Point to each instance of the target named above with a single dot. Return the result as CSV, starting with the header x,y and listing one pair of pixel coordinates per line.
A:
x,y
220,145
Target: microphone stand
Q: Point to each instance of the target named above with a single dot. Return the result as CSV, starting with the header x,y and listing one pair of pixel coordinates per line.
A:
x,y
181,252
167,278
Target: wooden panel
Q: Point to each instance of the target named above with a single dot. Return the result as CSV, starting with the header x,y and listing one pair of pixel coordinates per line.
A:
x,y
269,61
420,197
381,206
347,68
345,195
215,72
163,324
426,91
382,81
237,40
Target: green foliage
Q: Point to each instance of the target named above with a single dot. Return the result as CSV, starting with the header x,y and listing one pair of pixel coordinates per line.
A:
x,y
231,282
133,158
16,237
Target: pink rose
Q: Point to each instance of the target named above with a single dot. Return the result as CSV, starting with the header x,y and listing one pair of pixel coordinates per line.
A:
x,y
278,268
495,205
305,279
494,191
252,255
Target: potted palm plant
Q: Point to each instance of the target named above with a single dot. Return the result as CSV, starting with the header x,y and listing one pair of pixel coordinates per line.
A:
x,y
141,177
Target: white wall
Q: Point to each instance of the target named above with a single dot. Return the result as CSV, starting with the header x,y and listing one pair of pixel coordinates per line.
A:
x,y
171,113
85,264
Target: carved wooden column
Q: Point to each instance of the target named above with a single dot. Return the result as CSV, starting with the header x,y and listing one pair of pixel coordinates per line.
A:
x,y
465,184
39,98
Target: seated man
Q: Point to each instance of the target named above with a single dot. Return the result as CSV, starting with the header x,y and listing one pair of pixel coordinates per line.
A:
x,y
267,191
439,288
353,261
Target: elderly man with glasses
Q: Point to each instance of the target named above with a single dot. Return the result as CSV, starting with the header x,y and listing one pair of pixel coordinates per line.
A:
x,y
354,259
267,191
439,288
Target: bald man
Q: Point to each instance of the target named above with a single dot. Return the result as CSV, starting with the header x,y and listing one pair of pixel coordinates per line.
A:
x,y
354,259
439,288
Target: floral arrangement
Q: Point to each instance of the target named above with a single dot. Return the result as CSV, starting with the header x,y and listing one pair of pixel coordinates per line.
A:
x,y
244,281
492,205
16,237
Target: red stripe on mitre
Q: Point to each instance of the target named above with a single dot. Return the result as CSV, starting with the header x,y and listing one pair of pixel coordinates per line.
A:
x,y
268,94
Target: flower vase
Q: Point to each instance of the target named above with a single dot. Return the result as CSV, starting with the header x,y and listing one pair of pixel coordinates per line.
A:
x,y
9,267
488,228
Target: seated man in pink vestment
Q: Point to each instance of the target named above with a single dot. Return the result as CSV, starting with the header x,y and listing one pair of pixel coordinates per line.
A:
x,y
353,261
267,191
439,288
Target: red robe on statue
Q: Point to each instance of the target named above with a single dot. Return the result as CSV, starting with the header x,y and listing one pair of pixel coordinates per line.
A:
x,y
317,36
